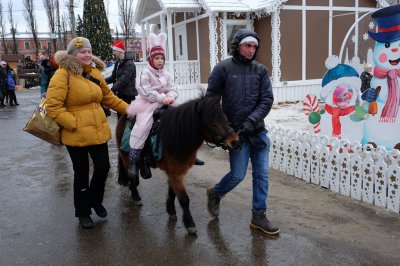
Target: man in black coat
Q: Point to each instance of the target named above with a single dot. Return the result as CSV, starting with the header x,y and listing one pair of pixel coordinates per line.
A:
x,y
3,82
123,75
245,89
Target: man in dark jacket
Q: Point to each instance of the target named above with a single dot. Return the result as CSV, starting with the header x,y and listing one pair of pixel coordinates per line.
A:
x,y
246,91
3,82
123,78
123,75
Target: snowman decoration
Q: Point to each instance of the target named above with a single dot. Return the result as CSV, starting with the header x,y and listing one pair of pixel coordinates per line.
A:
x,y
382,126
340,92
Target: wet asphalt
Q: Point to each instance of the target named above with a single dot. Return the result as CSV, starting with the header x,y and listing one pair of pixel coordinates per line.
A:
x,y
38,227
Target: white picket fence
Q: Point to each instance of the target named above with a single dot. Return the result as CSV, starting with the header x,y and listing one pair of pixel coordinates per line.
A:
x,y
349,168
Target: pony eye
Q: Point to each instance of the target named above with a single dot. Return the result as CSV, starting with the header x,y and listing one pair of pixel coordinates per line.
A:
x,y
387,45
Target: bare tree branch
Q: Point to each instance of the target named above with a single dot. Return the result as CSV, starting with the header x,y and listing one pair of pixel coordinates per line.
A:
x,y
31,20
126,18
13,28
50,6
2,31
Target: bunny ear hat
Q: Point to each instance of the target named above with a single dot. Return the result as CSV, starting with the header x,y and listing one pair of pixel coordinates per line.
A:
x,y
157,40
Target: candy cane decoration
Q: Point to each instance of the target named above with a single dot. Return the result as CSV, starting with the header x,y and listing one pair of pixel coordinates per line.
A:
x,y
310,105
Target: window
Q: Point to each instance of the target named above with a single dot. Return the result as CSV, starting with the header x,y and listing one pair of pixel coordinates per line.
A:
x,y
49,45
40,45
27,46
231,26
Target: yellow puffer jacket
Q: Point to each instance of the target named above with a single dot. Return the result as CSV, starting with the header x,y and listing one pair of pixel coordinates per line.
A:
x,y
74,102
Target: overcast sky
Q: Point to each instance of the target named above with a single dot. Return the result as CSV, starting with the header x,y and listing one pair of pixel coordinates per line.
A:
x,y
41,16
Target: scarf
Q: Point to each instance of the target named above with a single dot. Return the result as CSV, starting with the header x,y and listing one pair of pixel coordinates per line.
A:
x,y
336,113
391,107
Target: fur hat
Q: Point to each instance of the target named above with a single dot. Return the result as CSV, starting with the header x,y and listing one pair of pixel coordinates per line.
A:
x,y
119,47
76,44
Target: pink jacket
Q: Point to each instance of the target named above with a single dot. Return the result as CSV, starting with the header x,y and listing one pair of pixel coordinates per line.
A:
x,y
153,86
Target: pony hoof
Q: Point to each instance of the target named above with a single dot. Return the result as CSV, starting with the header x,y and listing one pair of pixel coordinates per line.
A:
x,y
192,231
173,218
137,203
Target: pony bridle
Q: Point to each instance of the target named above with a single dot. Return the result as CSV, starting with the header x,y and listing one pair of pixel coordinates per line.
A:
x,y
220,141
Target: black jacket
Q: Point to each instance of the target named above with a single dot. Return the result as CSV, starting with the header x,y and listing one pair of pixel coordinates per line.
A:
x,y
244,86
123,78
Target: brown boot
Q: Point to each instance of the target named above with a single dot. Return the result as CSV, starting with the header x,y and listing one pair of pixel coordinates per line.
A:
x,y
212,202
259,221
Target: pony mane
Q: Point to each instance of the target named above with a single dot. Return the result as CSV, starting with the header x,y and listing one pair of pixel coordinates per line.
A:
x,y
181,127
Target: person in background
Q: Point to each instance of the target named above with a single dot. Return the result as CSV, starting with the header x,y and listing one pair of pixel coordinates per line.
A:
x,y
11,84
245,88
47,69
366,77
73,99
123,76
3,83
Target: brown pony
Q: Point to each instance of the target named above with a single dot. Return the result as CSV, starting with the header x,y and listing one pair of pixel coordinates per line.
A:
x,y
181,132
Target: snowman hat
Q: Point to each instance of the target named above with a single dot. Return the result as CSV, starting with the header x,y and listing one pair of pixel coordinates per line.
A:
x,y
338,74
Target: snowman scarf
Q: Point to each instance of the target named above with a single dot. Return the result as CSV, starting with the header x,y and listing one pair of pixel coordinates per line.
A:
x,y
389,112
336,113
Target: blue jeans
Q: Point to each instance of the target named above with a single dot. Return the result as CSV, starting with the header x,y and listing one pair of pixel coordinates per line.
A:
x,y
239,160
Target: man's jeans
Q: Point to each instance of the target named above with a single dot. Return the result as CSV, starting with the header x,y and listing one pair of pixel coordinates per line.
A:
x,y
239,160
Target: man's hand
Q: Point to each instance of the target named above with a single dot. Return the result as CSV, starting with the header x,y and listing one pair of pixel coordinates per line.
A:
x,y
247,127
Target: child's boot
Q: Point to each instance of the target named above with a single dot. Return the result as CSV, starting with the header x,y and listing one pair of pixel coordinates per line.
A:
x,y
134,156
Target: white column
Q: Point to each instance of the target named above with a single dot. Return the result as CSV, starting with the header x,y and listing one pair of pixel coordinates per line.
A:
x,y
170,55
330,28
212,25
276,47
356,30
303,42
162,23
144,37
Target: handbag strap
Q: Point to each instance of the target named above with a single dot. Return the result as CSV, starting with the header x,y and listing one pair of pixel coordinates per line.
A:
x,y
92,79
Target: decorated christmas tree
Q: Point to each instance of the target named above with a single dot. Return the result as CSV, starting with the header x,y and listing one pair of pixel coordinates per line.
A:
x,y
96,28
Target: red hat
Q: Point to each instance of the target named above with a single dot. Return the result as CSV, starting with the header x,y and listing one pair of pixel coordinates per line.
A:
x,y
156,50
119,47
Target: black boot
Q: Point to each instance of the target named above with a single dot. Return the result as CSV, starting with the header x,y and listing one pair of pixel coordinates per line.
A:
x,y
15,102
259,221
100,210
86,222
133,169
145,170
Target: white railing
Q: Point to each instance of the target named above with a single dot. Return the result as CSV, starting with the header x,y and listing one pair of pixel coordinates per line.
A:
x,y
185,72
188,73
349,168
292,91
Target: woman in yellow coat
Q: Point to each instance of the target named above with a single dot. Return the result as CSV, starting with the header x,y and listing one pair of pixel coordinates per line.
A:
x,y
73,100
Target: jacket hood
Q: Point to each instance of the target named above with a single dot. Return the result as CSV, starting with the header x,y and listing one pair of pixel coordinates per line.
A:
x,y
240,35
69,62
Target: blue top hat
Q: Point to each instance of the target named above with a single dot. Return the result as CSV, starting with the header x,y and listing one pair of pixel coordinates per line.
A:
x,y
388,20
